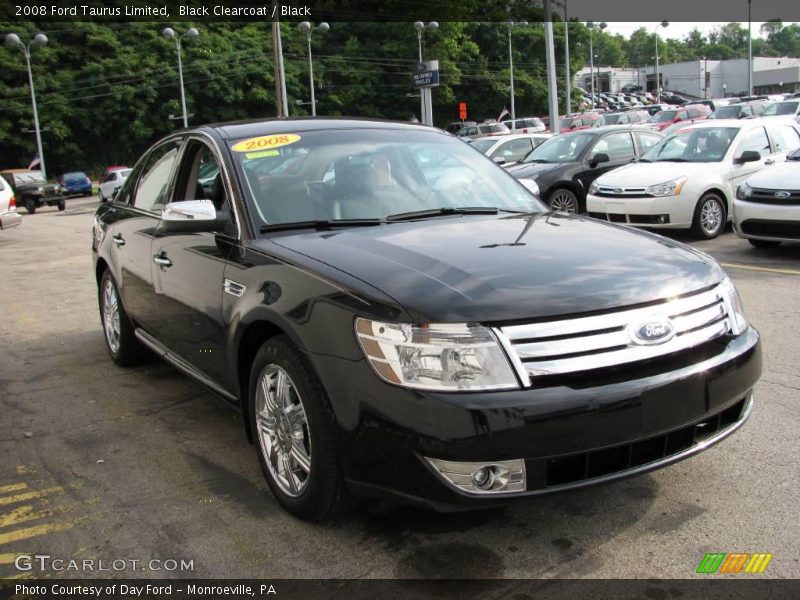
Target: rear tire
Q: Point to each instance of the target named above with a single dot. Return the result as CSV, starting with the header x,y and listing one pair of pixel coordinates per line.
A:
x,y
764,243
61,205
123,346
710,217
295,433
30,206
564,200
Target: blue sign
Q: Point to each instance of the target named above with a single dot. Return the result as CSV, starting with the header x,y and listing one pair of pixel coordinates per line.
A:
x,y
427,74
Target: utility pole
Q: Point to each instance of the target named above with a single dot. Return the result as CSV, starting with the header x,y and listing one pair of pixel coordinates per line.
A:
x,y
550,56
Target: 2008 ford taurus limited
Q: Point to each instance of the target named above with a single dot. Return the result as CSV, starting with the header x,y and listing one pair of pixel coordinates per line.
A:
x,y
396,315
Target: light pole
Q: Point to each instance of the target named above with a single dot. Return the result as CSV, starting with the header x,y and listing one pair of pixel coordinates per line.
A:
x,y
511,25
322,28
592,26
658,76
168,32
749,51
40,39
425,93
567,76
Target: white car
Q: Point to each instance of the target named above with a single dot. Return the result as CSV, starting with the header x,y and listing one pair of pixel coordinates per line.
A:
x,y
787,108
689,179
509,149
766,210
111,182
8,206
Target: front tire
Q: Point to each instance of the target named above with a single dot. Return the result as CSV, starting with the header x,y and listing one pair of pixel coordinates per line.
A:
x,y
564,200
710,216
30,206
124,348
61,205
764,243
295,433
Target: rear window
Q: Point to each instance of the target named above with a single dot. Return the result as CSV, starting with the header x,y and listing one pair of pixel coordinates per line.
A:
x,y
781,108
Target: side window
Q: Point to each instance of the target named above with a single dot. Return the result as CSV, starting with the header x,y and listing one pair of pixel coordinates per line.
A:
x,y
153,184
201,177
125,194
646,141
682,116
755,139
618,146
784,137
112,177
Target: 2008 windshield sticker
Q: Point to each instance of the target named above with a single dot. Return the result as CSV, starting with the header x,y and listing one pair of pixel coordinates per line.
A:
x,y
266,142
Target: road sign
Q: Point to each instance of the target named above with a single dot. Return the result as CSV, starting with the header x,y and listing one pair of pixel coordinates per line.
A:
x,y
427,74
462,111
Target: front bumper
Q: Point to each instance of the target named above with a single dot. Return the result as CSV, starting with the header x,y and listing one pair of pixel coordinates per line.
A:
x,y
761,221
10,219
570,433
643,211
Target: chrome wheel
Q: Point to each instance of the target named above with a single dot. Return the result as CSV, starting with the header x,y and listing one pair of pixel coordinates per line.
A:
x,y
711,216
283,431
564,201
111,323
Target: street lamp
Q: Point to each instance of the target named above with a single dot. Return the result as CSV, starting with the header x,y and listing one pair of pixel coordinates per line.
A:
x,y
592,26
322,28
40,39
425,97
664,24
511,25
168,32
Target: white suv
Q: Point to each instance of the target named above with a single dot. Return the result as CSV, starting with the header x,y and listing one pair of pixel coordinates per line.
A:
x,y
767,206
689,179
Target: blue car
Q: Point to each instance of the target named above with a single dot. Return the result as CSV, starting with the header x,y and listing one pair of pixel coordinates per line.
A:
x,y
75,184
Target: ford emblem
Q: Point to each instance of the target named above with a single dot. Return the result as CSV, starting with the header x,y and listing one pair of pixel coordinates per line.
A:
x,y
782,194
655,330
618,190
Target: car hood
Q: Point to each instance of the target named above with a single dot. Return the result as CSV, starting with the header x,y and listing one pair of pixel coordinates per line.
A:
x,y
642,174
503,268
534,170
785,176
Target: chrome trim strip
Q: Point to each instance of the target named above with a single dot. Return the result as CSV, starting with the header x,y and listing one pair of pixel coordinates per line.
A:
x,y
513,356
234,288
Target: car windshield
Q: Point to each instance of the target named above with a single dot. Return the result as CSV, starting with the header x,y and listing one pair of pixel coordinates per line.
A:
x,y
78,176
701,144
566,122
781,108
606,120
496,128
31,177
562,148
483,145
727,112
345,175
664,115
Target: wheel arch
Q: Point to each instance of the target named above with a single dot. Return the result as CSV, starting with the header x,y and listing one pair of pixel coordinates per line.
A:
x,y
721,193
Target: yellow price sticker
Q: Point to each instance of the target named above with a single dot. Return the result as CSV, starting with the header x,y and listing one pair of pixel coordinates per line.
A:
x,y
261,154
266,142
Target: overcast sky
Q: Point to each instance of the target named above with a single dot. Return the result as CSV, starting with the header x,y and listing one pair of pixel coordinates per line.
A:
x,y
677,30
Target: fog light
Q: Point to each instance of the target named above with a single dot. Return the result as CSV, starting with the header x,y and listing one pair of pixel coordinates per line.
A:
x,y
502,476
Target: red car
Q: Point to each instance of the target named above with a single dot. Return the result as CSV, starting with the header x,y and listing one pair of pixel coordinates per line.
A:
x,y
576,122
691,113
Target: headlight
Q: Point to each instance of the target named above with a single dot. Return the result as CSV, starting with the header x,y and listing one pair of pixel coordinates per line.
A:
x,y
670,188
532,186
441,356
594,187
744,191
734,306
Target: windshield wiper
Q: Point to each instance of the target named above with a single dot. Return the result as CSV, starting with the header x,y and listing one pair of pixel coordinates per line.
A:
x,y
673,160
538,160
320,224
436,212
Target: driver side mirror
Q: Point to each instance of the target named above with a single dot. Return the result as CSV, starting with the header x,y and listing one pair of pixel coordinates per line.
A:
x,y
598,158
499,160
192,216
748,156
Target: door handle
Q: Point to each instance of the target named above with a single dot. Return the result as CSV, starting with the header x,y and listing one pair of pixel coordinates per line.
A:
x,y
162,259
769,161
118,239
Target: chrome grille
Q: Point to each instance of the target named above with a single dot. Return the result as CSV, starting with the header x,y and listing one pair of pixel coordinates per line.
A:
x,y
609,191
605,340
785,198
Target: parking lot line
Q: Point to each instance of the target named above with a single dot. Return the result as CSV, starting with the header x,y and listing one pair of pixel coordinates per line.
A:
x,y
764,269
29,532
30,495
14,487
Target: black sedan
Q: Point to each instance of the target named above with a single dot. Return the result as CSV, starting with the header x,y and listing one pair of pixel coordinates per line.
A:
x,y
386,308
566,165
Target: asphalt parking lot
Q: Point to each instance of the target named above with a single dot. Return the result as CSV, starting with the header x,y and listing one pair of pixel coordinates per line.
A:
x,y
100,462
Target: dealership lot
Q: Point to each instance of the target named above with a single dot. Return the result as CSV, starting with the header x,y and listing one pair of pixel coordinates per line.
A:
x,y
108,464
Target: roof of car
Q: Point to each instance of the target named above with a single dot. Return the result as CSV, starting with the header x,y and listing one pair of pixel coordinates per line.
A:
x,y
241,129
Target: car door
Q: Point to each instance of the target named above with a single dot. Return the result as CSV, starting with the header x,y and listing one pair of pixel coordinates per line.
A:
x,y
753,139
620,150
189,268
135,217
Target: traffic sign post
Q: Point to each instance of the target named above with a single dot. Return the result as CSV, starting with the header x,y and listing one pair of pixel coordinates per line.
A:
x,y
462,111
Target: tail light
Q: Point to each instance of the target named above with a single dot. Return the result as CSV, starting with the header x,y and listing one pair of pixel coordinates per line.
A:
x,y
12,204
